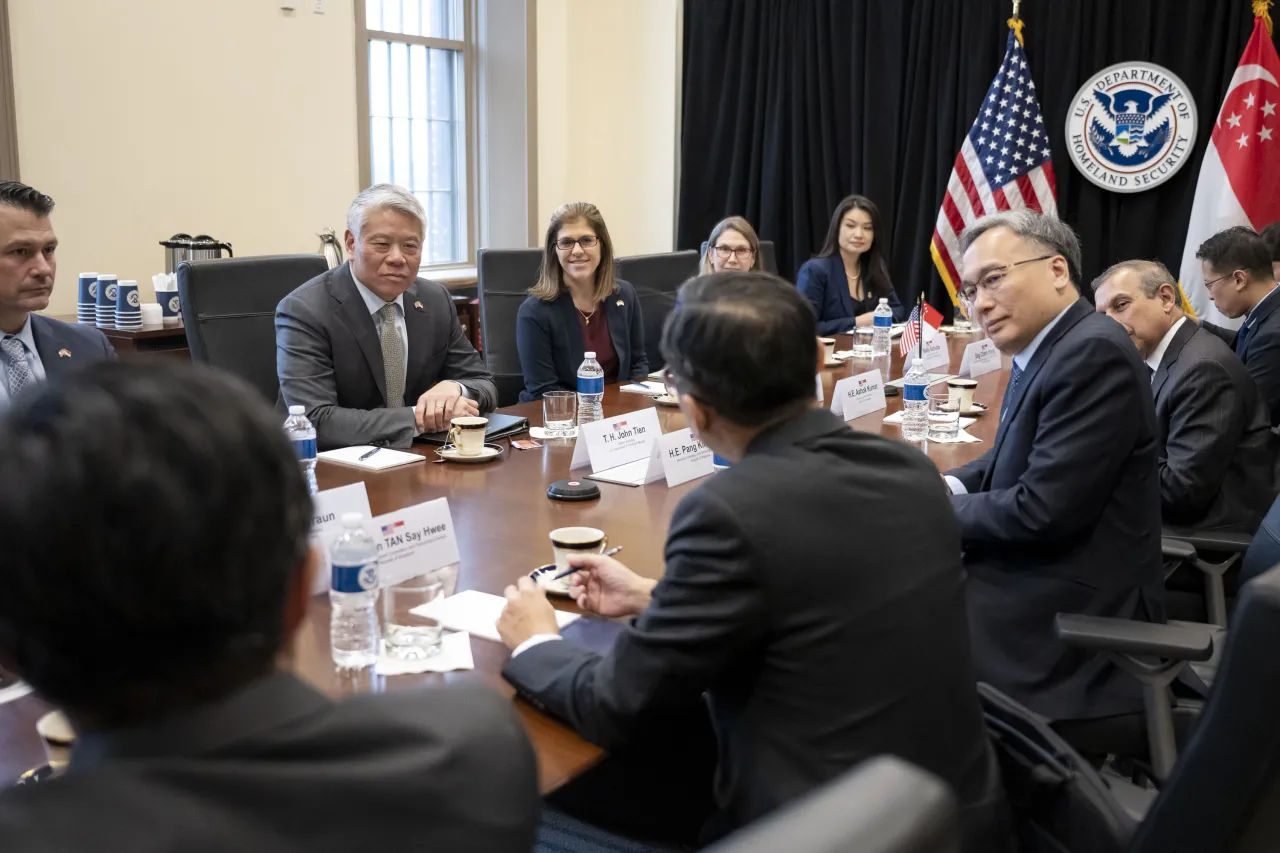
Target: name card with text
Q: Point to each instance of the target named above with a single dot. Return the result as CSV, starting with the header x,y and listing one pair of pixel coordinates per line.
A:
x,y
818,379
414,540
618,440
980,357
684,458
855,396
330,505
933,353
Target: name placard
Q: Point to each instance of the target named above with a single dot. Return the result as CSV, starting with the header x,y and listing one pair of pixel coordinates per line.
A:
x,y
684,457
618,440
414,540
980,357
330,505
934,352
855,396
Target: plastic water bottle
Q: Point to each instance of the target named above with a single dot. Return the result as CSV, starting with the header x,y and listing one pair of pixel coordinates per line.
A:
x,y
882,323
915,403
353,596
303,436
590,389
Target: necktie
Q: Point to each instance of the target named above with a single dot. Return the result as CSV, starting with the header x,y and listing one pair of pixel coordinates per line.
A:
x,y
1151,372
1015,378
1242,338
392,355
15,358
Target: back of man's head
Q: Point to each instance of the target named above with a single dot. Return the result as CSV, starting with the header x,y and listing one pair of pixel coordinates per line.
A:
x,y
152,521
743,344
1237,248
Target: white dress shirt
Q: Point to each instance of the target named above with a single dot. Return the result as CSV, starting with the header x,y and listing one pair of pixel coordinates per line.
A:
x,y
33,360
1022,359
1153,360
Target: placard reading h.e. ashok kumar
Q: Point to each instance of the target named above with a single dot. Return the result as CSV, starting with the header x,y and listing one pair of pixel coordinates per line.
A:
x,y
1131,127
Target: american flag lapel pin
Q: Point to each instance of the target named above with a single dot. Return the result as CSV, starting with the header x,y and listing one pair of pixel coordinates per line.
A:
x,y
418,306
64,353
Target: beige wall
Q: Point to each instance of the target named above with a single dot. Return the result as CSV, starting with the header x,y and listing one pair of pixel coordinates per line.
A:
x,y
607,114
143,118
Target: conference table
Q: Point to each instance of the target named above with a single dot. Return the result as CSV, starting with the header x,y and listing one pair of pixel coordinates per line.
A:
x,y
502,516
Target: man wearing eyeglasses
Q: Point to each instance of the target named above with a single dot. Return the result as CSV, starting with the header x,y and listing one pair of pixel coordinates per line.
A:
x,y
373,352
1062,514
1238,275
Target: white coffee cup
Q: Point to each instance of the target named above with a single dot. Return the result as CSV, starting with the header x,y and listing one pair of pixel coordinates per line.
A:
x,y
58,736
961,390
576,540
828,348
467,435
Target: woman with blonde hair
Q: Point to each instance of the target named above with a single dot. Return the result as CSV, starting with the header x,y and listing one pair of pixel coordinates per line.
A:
x,y
733,245
578,305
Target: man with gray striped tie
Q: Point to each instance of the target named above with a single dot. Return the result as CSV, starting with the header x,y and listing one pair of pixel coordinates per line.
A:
x,y
374,353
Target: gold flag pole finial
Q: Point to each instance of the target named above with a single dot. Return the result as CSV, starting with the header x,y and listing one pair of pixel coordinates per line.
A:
x,y
1015,23
1261,9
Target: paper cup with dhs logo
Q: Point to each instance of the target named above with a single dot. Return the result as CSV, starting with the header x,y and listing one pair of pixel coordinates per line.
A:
x,y
467,435
572,540
128,306
105,305
828,349
57,735
961,391
87,298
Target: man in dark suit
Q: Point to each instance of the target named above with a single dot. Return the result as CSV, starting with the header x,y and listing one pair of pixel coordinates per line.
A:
x,y
1062,514
34,347
813,590
156,628
374,353
1236,265
1217,453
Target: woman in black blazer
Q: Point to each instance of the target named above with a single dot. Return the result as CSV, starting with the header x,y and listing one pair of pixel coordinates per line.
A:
x,y
847,279
578,305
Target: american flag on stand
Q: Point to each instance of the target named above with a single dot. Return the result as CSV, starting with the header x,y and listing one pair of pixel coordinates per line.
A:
x,y
1003,162
911,334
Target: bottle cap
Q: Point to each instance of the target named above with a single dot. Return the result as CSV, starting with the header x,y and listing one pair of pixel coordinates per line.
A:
x,y
353,520
297,410
884,300
587,355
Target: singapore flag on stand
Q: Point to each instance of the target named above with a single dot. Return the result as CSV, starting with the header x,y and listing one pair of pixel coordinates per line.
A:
x,y
1240,176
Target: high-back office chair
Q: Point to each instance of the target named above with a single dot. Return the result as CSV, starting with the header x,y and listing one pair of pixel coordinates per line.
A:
x,y
229,306
656,279
503,279
884,805
768,256
1224,792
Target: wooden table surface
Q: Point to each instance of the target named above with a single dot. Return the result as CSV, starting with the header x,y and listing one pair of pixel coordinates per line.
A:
x,y
503,516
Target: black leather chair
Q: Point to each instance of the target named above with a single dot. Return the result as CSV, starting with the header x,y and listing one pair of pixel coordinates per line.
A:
x,y
657,278
503,279
229,306
1223,794
883,805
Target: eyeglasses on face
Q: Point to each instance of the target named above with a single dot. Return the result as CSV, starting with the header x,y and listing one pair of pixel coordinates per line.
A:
x,y
740,252
991,282
586,241
1208,285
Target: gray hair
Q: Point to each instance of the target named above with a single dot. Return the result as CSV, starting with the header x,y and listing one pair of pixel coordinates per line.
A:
x,y
1049,232
379,197
1151,275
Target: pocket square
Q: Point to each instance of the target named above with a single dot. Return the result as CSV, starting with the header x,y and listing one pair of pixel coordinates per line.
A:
x,y
64,353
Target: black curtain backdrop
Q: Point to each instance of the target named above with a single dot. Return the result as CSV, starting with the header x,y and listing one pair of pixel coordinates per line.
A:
x,y
789,105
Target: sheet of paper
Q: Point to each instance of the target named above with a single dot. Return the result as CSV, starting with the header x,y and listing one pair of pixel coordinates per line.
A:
x,y
474,612
414,540
633,473
653,389
934,379
855,396
14,691
818,379
385,457
962,437
896,418
455,653
326,524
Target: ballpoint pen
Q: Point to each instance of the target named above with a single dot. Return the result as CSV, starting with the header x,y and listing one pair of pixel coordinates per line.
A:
x,y
365,456
568,572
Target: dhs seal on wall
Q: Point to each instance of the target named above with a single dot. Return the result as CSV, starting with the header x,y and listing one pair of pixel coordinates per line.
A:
x,y
1131,127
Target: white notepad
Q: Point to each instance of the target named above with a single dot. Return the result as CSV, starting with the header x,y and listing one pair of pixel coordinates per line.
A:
x,y
385,457
474,612
653,389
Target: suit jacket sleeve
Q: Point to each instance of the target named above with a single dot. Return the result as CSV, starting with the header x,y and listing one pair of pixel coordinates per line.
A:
x,y
706,610
533,341
304,362
900,313
1264,366
1228,335
465,366
639,358
971,475
1086,430
1206,419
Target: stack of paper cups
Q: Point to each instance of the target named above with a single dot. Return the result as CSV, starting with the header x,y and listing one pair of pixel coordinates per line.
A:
x,y
128,306
87,299
106,302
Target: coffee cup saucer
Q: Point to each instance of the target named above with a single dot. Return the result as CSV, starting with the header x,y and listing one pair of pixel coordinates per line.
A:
x,y
553,587
487,453
666,400
974,411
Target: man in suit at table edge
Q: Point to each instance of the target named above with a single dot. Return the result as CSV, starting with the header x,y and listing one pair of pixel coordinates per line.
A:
x,y
374,353
162,634
1237,270
821,636
1062,514
1217,453
34,347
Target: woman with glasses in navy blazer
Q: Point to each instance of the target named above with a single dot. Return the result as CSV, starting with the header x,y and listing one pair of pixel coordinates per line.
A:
x,y
848,278
577,306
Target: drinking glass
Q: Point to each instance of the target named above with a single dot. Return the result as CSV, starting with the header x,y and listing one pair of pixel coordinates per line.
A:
x,y
559,413
944,414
